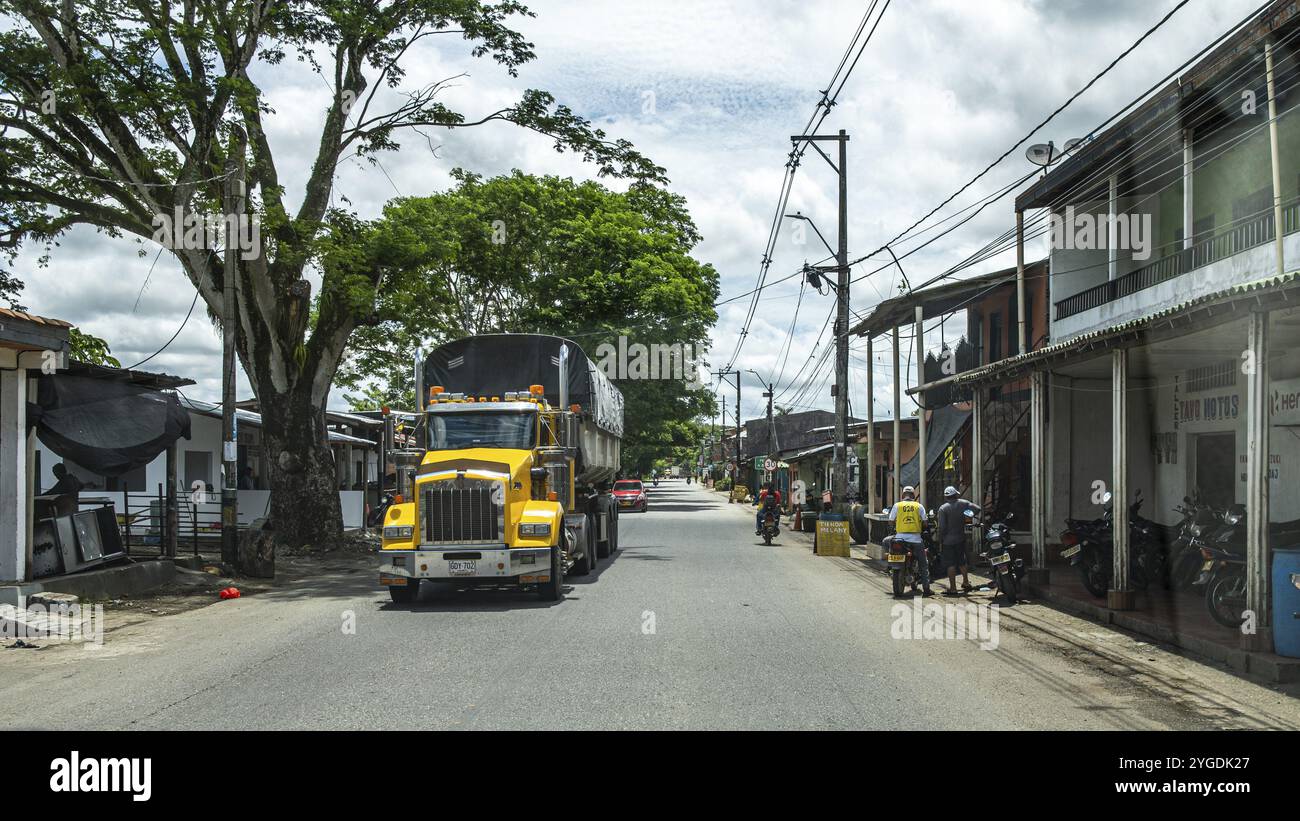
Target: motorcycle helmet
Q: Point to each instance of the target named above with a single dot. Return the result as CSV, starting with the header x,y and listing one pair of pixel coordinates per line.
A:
x,y
950,492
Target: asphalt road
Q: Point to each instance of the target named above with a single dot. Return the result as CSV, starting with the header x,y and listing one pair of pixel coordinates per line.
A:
x,y
693,624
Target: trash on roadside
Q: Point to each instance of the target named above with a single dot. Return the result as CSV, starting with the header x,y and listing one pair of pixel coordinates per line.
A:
x,y
230,593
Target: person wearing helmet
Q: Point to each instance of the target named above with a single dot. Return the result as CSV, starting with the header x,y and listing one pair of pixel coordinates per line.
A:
x,y
952,537
909,517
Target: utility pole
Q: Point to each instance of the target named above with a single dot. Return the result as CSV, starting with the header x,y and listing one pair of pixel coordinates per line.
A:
x,y
840,465
735,462
234,185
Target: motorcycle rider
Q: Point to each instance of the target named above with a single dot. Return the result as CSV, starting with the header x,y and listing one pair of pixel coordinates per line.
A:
x,y
952,537
909,517
768,499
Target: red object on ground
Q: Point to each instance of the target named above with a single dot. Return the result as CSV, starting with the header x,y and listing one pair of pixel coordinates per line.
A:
x,y
230,593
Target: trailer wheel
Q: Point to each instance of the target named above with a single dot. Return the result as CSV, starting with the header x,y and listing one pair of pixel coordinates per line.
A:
x,y
405,594
553,590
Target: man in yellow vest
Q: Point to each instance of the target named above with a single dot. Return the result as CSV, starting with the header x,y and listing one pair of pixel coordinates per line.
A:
x,y
908,517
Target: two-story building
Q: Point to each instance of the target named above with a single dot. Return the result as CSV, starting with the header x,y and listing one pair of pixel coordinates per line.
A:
x,y
1168,366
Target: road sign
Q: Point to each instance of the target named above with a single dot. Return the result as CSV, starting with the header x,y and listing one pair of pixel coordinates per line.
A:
x,y
769,465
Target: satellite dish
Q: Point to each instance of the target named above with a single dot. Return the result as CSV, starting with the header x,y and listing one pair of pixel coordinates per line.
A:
x,y
1042,154
1071,143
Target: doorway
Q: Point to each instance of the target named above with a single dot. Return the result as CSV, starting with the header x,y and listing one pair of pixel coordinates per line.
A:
x,y
1216,468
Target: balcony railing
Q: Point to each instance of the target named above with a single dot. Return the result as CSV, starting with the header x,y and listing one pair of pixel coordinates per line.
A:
x,y
1245,236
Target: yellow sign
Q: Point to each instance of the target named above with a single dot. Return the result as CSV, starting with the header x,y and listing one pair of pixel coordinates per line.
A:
x,y
832,536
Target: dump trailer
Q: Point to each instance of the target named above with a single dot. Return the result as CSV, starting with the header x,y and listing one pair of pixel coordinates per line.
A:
x,y
521,437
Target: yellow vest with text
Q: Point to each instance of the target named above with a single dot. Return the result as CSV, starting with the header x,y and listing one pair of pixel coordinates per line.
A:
x,y
907,517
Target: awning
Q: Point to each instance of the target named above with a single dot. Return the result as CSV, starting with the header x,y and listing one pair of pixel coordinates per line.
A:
x,y
939,300
1194,314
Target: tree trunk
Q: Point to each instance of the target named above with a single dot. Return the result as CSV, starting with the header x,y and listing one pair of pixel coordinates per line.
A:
x,y
305,509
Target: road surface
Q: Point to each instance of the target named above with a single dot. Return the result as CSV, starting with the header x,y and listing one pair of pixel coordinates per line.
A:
x,y
693,624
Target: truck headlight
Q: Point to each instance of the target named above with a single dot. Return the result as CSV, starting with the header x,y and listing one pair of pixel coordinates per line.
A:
x,y
399,533
535,529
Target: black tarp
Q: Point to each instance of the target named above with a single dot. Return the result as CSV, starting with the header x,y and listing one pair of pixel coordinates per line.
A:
x,y
945,423
106,426
493,364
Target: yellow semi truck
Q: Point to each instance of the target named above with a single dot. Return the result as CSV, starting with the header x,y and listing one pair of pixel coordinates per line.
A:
x,y
521,437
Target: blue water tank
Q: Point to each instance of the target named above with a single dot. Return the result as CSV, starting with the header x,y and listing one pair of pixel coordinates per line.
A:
x,y
1286,602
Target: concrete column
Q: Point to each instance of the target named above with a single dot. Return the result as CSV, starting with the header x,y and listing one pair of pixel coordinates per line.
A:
x,y
871,431
1258,556
1276,162
976,490
898,424
1038,573
920,398
1120,596
1022,343
1112,248
1189,199
14,486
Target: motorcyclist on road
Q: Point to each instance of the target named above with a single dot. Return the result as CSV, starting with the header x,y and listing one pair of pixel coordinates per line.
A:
x,y
769,499
909,517
952,537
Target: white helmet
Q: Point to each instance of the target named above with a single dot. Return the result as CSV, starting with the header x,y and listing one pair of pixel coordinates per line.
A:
x,y
909,491
950,492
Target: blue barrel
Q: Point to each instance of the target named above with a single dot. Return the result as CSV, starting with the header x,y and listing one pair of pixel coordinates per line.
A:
x,y
1286,602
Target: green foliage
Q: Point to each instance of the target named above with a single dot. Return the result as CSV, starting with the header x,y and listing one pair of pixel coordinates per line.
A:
x,y
89,348
522,253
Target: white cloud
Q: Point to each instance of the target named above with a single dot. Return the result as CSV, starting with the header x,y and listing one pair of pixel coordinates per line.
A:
x,y
943,88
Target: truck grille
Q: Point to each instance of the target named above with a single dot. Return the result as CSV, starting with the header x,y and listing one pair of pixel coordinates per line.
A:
x,y
461,511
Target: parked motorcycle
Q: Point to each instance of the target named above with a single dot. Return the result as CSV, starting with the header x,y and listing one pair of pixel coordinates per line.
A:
x,y
1185,558
376,516
1007,570
1089,544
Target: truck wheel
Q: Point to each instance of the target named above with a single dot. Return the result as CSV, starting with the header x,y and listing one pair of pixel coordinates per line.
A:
x,y
553,590
587,562
606,547
406,594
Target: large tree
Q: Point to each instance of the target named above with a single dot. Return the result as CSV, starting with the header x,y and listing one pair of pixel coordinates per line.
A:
x,y
115,114
522,253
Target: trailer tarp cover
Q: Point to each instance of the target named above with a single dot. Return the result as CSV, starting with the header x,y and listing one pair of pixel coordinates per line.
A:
x,y
106,426
493,364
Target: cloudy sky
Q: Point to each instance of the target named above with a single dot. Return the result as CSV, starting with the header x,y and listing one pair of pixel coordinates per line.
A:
x,y
712,91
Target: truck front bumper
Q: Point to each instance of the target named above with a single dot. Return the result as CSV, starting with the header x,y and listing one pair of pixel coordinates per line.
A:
x,y
470,564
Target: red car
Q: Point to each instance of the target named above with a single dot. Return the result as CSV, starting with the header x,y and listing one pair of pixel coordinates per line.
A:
x,y
630,494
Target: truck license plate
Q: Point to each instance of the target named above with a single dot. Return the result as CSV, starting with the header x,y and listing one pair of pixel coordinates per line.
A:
x,y
462,568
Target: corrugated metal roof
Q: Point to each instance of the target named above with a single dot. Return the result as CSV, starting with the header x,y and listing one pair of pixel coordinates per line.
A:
x,y
1101,335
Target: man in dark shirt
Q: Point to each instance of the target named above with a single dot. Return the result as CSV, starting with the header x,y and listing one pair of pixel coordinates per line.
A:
x,y
65,483
952,537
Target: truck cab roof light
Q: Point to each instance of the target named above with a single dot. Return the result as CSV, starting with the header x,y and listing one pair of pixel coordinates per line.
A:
x,y
536,390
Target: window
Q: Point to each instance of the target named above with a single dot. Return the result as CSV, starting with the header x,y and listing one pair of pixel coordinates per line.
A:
x,y
453,431
198,468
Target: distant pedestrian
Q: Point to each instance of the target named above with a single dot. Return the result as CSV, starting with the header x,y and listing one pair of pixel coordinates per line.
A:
x,y
952,537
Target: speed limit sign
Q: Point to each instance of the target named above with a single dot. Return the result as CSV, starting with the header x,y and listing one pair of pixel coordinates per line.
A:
x,y
769,465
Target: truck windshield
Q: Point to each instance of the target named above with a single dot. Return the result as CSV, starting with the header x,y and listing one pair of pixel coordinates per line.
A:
x,y
507,429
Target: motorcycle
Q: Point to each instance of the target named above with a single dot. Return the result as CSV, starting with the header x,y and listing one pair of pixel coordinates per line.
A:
x,y
1089,545
1007,570
376,516
1185,551
901,557
771,523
